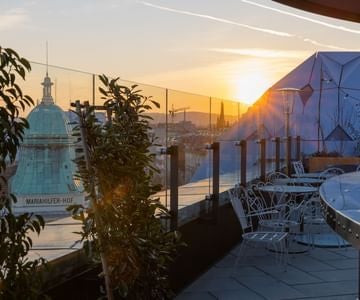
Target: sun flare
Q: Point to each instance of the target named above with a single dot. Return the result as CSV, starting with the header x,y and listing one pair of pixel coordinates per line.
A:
x,y
252,81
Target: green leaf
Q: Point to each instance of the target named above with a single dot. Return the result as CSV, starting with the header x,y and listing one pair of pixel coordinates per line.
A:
x,y
40,220
25,63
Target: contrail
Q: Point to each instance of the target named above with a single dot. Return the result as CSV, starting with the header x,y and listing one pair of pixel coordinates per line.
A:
x,y
261,52
184,12
302,17
269,31
320,44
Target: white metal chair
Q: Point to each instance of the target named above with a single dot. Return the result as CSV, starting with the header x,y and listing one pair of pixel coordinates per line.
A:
x,y
271,177
277,198
298,167
314,222
315,226
286,210
332,171
276,240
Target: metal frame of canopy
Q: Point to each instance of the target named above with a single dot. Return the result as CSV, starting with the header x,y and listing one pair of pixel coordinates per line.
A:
x,y
348,10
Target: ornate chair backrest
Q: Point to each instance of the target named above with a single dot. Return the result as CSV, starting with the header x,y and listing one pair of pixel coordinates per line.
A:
x,y
238,198
331,172
275,175
298,167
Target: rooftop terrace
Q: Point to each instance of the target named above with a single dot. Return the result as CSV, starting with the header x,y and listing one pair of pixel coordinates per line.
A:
x,y
210,171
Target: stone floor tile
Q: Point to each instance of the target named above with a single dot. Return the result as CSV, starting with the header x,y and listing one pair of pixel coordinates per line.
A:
x,y
337,275
348,263
295,276
327,289
243,293
270,288
308,263
348,252
338,297
213,284
247,271
324,254
195,296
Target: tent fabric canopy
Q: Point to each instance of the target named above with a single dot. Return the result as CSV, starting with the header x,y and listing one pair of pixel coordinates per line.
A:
x,y
338,134
326,113
328,100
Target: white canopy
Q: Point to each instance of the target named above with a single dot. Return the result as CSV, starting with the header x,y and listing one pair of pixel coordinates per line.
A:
x,y
325,114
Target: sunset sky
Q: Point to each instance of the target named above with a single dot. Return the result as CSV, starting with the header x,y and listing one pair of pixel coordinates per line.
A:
x,y
232,49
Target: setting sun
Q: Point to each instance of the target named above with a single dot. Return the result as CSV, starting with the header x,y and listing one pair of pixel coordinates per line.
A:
x,y
251,85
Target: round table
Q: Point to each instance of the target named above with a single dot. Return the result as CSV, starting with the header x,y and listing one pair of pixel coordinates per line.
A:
x,y
299,181
291,189
312,175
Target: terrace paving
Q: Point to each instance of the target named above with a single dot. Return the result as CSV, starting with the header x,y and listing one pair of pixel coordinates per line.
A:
x,y
320,273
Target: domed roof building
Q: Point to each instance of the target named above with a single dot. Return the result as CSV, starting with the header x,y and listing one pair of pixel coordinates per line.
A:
x,y
44,180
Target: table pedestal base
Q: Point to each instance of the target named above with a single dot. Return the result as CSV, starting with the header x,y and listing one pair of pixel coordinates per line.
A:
x,y
325,240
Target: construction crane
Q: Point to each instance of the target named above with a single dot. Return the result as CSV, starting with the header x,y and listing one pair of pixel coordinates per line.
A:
x,y
173,110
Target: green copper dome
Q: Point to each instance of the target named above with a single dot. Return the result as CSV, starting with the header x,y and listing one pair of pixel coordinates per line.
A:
x,y
47,120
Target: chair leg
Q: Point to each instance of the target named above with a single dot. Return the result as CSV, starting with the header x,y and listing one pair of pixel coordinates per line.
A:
x,y
241,253
282,254
279,249
285,245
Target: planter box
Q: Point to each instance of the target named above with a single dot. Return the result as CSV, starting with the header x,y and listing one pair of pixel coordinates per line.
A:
x,y
321,163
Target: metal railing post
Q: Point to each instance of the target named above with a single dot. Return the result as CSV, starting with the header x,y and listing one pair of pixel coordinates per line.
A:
x,y
173,151
213,199
277,154
243,166
298,147
174,186
262,159
288,155
216,179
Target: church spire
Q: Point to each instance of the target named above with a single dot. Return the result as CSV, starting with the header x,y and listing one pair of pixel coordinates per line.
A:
x,y
47,98
47,59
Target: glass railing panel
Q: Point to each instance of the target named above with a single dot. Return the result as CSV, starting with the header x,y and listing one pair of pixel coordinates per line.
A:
x,y
67,85
188,127
270,155
253,160
225,125
188,120
188,116
229,165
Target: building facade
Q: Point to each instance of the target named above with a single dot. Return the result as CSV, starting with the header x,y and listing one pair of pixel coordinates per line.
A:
x,y
44,180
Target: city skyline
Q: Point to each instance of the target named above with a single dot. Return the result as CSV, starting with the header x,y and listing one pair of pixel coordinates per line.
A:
x,y
233,50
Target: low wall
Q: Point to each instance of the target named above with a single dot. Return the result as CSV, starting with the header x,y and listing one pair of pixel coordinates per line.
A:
x,y
321,163
207,239
207,242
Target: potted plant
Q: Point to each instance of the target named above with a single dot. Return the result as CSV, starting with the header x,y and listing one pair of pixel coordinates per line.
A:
x,y
121,227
